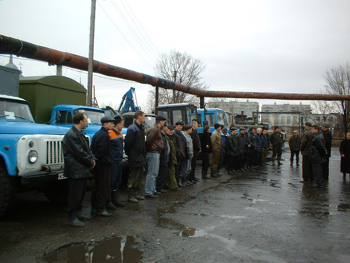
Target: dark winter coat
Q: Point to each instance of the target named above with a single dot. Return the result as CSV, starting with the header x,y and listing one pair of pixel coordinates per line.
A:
x,y
232,145
78,157
306,142
317,149
276,140
265,141
205,140
294,143
345,161
241,143
135,147
172,156
196,142
101,147
256,140
181,145
328,139
165,153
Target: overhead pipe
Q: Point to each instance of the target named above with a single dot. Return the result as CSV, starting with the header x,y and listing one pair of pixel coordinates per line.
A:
x,y
21,48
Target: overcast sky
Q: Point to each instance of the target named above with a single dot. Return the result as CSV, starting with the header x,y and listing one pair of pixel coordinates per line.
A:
x,y
256,45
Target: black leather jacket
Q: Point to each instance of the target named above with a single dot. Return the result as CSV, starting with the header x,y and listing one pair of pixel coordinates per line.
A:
x,y
317,150
78,157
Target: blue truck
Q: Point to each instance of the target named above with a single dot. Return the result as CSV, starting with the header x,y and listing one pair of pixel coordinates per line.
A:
x,y
31,156
212,116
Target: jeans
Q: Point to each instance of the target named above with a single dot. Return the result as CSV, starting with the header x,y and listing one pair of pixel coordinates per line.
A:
x,y
153,170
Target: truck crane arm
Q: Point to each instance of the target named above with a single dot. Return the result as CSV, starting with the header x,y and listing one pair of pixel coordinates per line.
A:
x,y
128,102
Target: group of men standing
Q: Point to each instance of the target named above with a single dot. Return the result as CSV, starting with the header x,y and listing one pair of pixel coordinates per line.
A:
x,y
238,151
315,146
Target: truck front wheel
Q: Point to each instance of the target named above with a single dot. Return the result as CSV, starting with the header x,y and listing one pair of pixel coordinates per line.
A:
x,y
7,191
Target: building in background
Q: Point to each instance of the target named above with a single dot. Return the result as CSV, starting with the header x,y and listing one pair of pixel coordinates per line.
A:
x,y
288,117
236,107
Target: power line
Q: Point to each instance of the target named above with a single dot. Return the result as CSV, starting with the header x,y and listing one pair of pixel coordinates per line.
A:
x,y
142,31
123,35
138,39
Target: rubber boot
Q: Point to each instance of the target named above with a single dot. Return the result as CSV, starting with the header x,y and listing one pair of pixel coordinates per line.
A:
x,y
83,217
73,219
279,161
131,195
101,210
115,201
205,175
138,196
213,173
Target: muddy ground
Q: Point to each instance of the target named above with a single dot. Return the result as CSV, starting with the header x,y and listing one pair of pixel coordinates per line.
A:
x,y
262,215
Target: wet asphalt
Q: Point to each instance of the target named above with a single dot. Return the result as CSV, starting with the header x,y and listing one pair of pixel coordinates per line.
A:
x,y
260,215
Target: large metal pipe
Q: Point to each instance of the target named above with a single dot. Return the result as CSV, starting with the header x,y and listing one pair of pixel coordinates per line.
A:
x,y
21,48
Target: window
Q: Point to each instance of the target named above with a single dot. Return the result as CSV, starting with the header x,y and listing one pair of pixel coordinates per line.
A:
x,y
177,116
283,119
289,119
277,119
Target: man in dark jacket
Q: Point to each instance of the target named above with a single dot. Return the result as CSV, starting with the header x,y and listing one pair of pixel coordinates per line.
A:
x,y
305,150
101,148
196,149
232,151
327,134
294,146
241,149
317,154
265,145
135,150
181,149
164,160
206,150
117,141
78,160
277,143
257,147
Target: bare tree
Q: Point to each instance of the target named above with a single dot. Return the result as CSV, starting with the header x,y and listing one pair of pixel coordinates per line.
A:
x,y
181,68
338,82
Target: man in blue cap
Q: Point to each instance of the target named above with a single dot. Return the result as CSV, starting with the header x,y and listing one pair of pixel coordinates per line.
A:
x,y
154,146
101,148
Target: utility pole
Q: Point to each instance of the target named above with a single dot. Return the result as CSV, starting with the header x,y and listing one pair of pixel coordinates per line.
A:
x,y
175,72
91,53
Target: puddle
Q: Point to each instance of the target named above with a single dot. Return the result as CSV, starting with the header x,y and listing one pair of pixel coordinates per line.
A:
x,y
116,249
192,232
343,207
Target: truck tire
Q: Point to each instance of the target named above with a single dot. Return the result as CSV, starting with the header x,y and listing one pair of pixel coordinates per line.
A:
x,y
7,191
58,192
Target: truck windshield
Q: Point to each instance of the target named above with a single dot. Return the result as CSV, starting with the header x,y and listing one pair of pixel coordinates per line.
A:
x,y
15,110
93,116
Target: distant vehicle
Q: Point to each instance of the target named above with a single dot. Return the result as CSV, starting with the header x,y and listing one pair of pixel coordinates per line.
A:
x,y
184,112
129,119
213,115
109,111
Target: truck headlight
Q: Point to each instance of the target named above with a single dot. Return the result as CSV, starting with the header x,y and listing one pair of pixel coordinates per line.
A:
x,y
32,156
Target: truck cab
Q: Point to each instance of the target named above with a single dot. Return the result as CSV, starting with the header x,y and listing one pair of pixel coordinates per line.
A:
x,y
31,155
185,112
62,115
213,115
